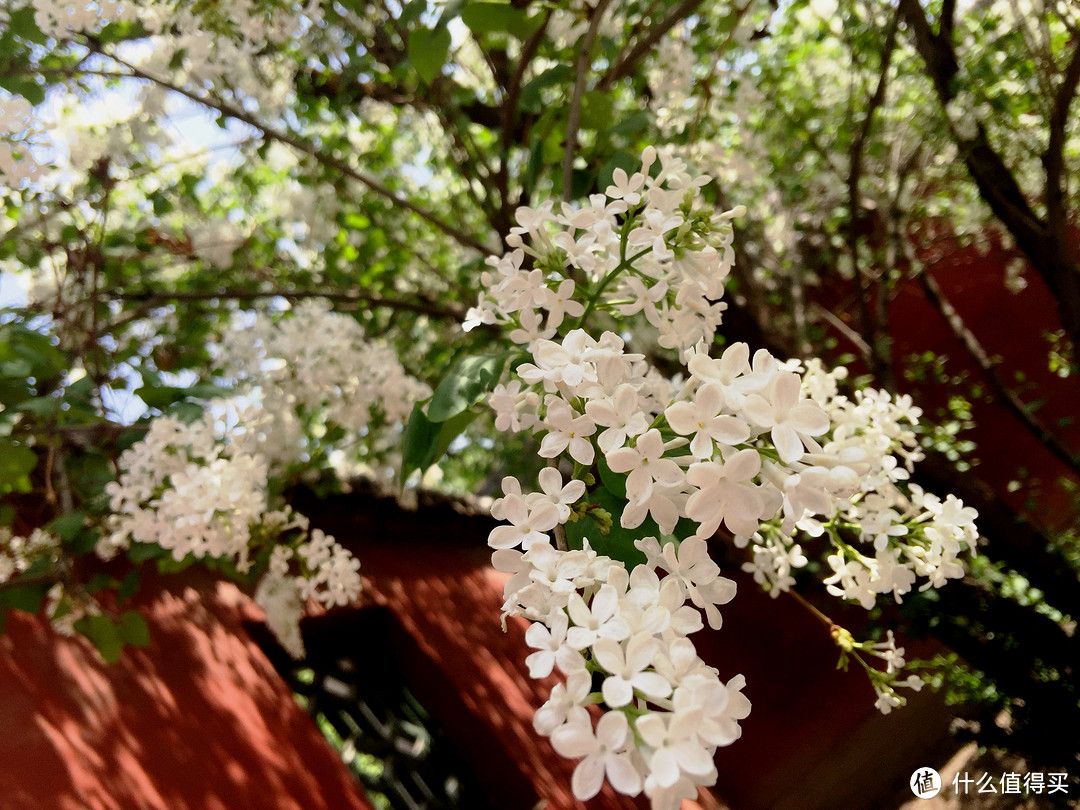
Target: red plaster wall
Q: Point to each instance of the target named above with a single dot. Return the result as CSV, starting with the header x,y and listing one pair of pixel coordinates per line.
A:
x,y
196,721
1011,328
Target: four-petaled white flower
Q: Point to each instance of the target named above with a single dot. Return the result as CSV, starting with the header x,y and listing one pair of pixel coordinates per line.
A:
x,y
628,669
703,418
527,525
605,753
781,410
725,493
646,465
598,620
567,431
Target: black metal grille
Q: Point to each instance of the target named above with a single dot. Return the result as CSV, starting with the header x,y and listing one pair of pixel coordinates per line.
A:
x,y
361,703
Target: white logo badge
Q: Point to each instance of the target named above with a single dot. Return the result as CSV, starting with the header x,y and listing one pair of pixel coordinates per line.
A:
x,y
925,783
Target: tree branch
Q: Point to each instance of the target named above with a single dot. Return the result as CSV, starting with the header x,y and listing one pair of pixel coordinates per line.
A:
x,y
574,117
1006,395
998,187
301,145
880,360
996,183
627,62
1053,159
158,297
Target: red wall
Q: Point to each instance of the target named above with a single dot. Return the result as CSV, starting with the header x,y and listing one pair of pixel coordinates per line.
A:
x,y
196,721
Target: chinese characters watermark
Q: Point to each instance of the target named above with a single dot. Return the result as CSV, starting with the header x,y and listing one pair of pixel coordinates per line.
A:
x,y
925,783
1037,783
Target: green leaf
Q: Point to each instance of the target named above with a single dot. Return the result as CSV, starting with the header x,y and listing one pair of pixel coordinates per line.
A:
x,y
427,51
493,17
417,442
425,442
66,527
451,429
24,26
634,125
45,359
103,634
141,552
613,481
132,629
44,406
618,543
23,597
162,204
70,529
128,587
100,582
466,384
27,88
596,110
160,397
119,31
532,92
16,462
169,565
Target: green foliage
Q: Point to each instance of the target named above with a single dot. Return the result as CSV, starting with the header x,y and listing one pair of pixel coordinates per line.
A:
x,y
468,382
494,17
428,50
425,441
604,536
110,636
16,462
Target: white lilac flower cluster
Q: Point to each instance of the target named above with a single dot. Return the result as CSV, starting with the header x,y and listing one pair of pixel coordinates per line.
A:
x,y
913,534
664,710
19,130
200,490
317,369
219,45
649,245
61,18
18,554
886,681
40,554
258,26
761,447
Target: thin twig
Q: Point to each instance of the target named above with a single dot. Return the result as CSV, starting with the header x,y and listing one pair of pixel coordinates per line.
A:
x,y
854,337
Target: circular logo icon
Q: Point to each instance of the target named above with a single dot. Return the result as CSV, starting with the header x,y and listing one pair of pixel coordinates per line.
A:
x,y
925,783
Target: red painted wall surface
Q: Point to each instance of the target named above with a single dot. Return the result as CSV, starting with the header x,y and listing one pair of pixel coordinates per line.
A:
x,y
199,720
1012,328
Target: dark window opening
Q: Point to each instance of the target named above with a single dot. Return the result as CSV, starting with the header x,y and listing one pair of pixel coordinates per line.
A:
x,y
359,698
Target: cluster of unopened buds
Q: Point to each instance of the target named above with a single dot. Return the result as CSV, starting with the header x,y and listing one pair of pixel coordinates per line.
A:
x,y
763,448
